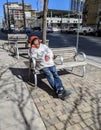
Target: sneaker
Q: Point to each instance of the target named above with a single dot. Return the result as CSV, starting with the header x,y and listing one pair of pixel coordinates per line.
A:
x,y
60,92
65,94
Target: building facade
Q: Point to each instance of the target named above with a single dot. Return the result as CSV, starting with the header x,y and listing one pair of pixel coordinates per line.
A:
x,y
59,18
75,5
92,12
14,14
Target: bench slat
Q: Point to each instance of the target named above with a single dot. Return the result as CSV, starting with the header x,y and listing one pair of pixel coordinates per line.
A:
x,y
70,64
67,65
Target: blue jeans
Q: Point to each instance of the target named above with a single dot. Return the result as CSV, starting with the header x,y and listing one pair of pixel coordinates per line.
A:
x,y
53,77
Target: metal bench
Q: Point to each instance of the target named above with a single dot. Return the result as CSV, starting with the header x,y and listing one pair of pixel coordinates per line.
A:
x,y
15,40
66,57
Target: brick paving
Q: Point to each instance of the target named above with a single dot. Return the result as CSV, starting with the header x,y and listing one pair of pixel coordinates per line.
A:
x,y
81,111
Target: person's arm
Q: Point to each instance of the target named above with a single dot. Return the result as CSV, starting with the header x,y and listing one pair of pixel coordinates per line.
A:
x,y
48,53
33,53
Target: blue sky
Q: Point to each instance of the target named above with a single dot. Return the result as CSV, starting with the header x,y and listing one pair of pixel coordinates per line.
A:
x,y
55,4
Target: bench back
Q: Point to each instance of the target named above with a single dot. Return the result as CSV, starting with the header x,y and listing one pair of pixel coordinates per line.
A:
x,y
12,37
18,37
67,53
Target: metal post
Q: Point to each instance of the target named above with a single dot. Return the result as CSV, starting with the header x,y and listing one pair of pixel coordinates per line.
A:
x,y
68,19
61,19
77,42
23,8
51,18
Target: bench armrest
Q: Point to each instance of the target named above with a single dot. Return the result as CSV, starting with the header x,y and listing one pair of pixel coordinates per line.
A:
x,y
80,56
34,63
32,59
29,52
60,60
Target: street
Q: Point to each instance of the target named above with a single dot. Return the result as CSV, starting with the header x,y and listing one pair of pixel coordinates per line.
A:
x,y
91,45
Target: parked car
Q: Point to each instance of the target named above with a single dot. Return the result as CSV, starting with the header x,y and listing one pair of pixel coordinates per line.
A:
x,y
56,29
67,30
49,30
97,32
70,29
84,30
27,30
64,30
2,29
7,30
36,29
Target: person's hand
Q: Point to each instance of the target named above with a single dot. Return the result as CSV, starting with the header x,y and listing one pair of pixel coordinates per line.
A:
x,y
47,58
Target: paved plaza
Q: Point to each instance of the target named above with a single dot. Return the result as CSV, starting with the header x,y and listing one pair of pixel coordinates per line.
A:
x,y
24,107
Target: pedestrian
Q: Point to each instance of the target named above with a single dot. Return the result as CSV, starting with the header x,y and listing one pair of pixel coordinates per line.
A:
x,y
45,63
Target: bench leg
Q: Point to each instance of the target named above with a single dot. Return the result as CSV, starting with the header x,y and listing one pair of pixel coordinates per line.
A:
x,y
34,73
29,71
71,69
17,51
83,71
5,46
35,79
13,50
26,45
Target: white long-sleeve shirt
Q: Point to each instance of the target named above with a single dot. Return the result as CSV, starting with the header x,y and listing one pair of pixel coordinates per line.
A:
x,y
39,55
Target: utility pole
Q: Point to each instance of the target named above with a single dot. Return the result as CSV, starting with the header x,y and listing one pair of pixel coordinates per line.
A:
x,y
23,9
8,17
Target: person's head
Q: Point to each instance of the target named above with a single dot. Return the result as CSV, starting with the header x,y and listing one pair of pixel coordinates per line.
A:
x,y
35,42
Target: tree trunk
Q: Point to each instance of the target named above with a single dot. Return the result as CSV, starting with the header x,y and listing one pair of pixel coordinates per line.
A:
x,y
44,22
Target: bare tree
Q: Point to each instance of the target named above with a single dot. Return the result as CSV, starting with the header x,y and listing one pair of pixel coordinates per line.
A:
x,y
44,22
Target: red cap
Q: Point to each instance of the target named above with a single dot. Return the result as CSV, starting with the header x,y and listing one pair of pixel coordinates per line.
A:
x,y
32,38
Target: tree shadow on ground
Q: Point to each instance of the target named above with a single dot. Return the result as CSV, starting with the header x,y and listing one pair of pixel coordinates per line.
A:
x,y
42,84
16,95
90,115
22,73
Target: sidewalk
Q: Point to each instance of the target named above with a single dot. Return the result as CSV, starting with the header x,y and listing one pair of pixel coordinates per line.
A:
x,y
82,111
17,109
